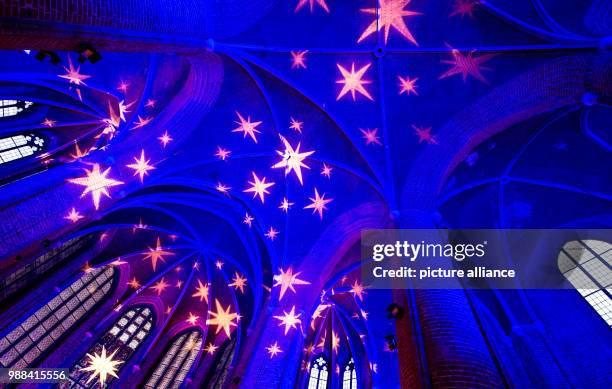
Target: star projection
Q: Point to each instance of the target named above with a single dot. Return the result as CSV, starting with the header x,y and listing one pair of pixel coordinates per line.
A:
x,y
463,8
285,205
248,220
165,139
292,160
223,319
287,281
273,349
157,254
358,290
192,319
201,291
271,233
238,282
247,127
319,203
390,14
74,216
259,187
222,153
466,65
353,81
320,3
141,166
424,134
96,182
73,74
371,136
289,319
160,286
211,348
101,366
298,59
407,85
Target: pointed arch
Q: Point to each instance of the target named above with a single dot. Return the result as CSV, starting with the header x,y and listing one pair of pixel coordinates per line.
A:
x,y
349,376
318,373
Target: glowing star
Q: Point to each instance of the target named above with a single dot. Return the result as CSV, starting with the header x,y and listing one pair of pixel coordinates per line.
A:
x,y
222,153
292,160
141,166
248,219
96,182
326,171
390,13
78,154
298,59
289,320
238,282
320,3
123,86
296,125
407,85
101,366
72,75
74,216
157,254
160,286
335,342
165,139
179,284
466,65
141,122
48,123
192,319
358,290
259,187
271,234
211,348
464,7
133,283
273,349
371,136
319,204
352,81
287,281
425,135
123,109
139,226
247,127
219,264
285,205
201,292
150,103
223,319
222,187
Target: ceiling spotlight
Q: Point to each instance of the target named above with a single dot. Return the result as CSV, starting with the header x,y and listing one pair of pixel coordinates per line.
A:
x,y
395,311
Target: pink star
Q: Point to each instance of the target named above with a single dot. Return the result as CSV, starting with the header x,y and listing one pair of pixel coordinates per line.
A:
x,y
150,103
296,125
222,187
285,205
319,204
141,166
74,216
371,136
464,7
272,233
298,59
222,153
466,65
425,135
49,123
390,13
165,139
321,3
273,349
247,127
259,187
73,75
141,122
326,171
248,220
407,85
352,81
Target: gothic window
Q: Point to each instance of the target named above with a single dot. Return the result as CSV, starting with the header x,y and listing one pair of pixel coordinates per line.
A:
x,y
122,340
349,377
319,372
586,265
13,107
222,364
20,146
176,361
36,333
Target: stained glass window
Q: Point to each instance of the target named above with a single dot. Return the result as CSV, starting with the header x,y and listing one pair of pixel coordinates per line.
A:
x,y
20,146
349,377
37,332
223,365
126,335
176,361
586,265
318,373
13,107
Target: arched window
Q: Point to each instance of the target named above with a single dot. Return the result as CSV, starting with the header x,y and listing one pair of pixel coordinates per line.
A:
x,y
222,365
349,377
176,362
586,265
20,146
121,341
13,107
319,373
36,333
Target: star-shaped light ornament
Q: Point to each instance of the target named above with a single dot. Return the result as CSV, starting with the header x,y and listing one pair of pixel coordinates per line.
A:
x,y
321,3
425,135
223,319
326,171
201,291
96,182
285,205
319,204
73,75
358,290
390,13
141,166
211,348
101,366
371,136
352,81
466,65
48,123
238,282
248,219
222,153
192,319
157,254
298,59
271,233
160,286
165,139
247,127
141,122
133,283
259,187
289,319
335,342
292,160
221,187
74,216
273,349
287,281
464,7
407,85
296,125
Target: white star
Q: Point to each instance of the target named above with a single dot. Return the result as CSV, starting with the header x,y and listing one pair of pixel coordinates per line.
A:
x,y
292,159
